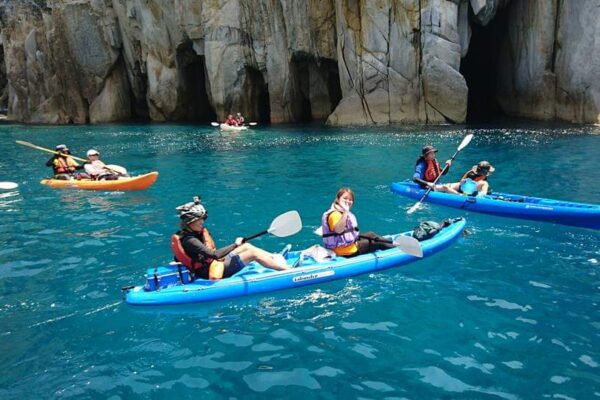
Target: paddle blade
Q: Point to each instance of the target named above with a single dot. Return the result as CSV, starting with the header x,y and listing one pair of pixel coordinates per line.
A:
x,y
409,245
413,208
286,224
318,231
465,142
253,123
8,185
214,123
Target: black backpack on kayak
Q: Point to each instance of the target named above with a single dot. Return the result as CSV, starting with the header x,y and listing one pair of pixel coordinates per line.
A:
x,y
428,229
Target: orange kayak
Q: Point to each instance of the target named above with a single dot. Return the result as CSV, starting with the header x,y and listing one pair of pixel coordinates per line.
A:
x,y
140,182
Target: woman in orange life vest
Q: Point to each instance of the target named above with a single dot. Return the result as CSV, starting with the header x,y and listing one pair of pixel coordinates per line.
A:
x,y
427,170
194,247
340,229
474,182
63,165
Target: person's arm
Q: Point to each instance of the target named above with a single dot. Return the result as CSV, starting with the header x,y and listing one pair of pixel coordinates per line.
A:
x,y
198,250
419,171
448,164
50,162
337,221
223,251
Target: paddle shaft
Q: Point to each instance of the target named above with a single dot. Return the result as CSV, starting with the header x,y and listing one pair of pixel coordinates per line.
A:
x,y
33,146
255,236
376,239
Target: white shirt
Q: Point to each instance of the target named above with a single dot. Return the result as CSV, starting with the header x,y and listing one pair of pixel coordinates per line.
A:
x,y
95,168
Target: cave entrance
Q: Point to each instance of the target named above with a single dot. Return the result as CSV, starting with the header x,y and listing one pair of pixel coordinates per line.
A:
x,y
258,108
194,105
480,68
3,83
316,87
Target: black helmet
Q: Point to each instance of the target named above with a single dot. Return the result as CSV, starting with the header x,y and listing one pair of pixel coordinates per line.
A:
x,y
192,211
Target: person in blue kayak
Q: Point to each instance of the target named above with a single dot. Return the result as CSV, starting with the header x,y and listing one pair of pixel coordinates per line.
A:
x,y
427,170
195,248
340,229
63,165
475,181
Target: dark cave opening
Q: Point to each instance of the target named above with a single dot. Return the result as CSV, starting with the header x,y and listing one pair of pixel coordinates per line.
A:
x,y
333,82
194,102
258,91
3,83
480,68
316,87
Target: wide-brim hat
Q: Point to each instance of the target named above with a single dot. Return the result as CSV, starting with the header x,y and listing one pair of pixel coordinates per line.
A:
x,y
483,168
428,149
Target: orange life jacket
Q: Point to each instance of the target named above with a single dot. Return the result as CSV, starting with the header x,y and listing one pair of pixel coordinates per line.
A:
x,y
62,165
432,171
186,260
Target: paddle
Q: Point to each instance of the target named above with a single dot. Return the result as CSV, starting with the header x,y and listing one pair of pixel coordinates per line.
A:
x,y
284,225
407,244
465,142
8,185
115,168
215,124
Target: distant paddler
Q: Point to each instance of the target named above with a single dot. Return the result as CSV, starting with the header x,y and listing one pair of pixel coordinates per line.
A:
x,y
99,171
64,165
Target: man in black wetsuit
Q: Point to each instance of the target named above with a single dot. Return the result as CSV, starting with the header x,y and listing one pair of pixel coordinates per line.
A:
x,y
208,261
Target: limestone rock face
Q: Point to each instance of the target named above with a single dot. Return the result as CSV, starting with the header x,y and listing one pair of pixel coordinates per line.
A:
x,y
551,61
59,61
577,64
343,61
526,80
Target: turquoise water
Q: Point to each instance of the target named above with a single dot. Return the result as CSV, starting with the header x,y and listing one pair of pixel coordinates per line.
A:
x,y
510,311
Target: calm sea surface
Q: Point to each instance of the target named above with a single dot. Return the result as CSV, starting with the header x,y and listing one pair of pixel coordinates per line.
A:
x,y
510,311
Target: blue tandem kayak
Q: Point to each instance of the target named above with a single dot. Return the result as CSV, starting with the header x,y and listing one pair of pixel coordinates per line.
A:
x,y
255,279
510,205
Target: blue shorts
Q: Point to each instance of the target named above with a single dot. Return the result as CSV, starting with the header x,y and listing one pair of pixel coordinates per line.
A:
x,y
233,264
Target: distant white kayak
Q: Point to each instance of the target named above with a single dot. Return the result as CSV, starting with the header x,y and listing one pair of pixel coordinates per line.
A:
x,y
8,185
225,127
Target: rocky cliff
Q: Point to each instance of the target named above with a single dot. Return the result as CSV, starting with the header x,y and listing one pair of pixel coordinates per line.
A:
x,y
344,61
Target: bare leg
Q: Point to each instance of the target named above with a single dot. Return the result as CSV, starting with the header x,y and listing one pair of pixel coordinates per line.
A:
x,y
249,253
448,188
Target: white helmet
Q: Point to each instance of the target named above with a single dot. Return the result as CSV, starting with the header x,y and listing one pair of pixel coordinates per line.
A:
x,y
92,152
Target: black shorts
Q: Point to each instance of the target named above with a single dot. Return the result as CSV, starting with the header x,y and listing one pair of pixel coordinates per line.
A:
x,y
233,264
